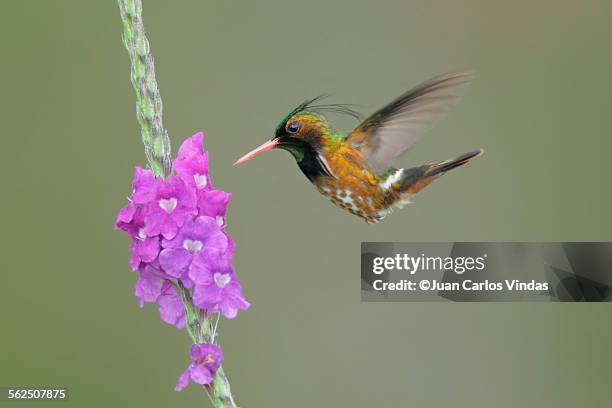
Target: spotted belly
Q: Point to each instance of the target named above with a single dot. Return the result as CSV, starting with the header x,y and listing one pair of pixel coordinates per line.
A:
x,y
366,202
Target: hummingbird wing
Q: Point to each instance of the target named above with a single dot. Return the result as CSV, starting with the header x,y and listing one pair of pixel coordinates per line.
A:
x,y
392,130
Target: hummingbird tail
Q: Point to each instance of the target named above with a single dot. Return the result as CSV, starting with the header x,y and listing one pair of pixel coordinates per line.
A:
x,y
417,178
442,167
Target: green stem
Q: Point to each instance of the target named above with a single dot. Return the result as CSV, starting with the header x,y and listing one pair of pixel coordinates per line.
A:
x,y
157,151
192,314
148,99
200,329
220,392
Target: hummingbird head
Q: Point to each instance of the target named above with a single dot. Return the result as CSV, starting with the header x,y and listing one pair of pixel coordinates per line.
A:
x,y
302,132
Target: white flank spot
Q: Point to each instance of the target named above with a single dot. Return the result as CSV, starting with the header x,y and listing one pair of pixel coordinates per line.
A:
x,y
392,179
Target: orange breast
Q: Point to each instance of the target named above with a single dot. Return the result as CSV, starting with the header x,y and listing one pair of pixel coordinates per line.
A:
x,y
353,187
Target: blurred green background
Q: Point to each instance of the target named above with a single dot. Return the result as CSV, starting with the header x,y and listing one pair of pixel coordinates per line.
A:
x,y
539,107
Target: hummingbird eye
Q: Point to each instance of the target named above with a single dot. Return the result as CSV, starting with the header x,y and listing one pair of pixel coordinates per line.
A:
x,y
293,127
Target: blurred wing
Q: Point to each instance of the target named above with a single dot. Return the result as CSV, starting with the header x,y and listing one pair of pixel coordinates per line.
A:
x,y
391,131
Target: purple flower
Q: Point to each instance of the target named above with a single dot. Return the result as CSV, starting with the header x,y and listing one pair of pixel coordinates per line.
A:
x,y
131,219
192,146
173,204
205,361
144,249
214,204
144,186
150,284
199,246
171,308
153,286
182,252
191,163
125,217
221,292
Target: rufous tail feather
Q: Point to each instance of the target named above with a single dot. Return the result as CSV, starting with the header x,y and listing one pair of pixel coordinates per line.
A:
x,y
417,178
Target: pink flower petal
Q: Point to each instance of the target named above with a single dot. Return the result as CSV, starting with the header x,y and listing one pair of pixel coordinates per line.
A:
x,y
183,381
175,261
200,374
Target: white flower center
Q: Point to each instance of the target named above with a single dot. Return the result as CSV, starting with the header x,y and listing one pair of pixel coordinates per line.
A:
x,y
200,180
222,279
142,234
168,204
219,220
192,246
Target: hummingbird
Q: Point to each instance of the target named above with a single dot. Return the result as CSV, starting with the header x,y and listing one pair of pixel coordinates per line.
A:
x,y
355,171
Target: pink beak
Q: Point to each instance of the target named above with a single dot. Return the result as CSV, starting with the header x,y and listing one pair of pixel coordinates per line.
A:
x,y
270,144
